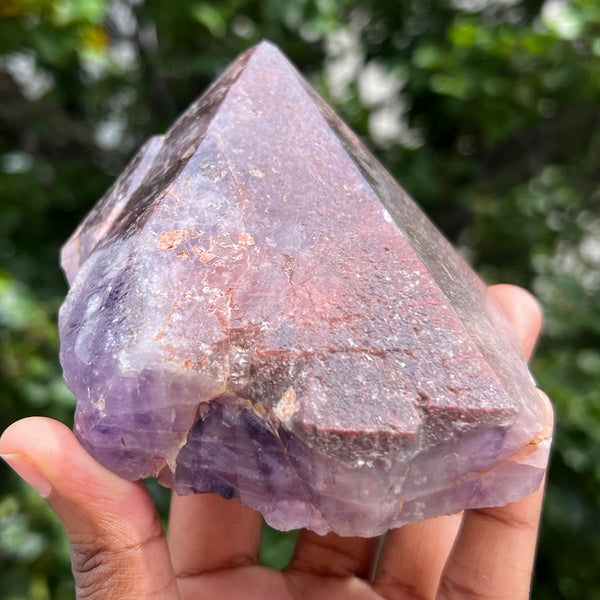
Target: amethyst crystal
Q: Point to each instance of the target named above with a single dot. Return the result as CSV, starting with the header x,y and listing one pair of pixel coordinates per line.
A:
x,y
257,309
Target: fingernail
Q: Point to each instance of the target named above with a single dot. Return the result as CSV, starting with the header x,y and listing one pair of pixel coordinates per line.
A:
x,y
28,473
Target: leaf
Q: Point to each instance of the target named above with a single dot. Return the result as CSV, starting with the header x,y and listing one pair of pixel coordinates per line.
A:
x,y
211,18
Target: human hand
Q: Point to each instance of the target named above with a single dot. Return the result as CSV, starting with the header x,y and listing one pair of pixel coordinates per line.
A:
x,y
119,549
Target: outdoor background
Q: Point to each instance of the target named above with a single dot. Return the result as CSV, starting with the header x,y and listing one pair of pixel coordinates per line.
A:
x,y
487,111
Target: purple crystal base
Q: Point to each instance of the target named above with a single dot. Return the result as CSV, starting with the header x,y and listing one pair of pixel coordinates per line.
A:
x,y
233,454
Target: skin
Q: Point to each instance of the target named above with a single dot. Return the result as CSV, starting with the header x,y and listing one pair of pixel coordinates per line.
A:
x,y
119,549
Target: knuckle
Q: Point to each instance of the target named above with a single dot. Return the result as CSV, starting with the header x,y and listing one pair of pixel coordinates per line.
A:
x,y
505,518
91,570
318,556
395,587
235,561
451,589
105,568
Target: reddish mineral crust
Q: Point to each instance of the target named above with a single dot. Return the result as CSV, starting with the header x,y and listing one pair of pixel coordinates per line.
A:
x,y
259,310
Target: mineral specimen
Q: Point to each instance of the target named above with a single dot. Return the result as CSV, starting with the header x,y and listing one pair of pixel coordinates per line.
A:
x,y
257,309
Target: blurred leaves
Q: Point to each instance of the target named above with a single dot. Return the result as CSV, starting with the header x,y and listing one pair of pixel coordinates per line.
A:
x,y
277,548
486,111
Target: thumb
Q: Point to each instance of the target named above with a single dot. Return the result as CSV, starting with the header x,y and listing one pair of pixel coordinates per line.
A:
x,y
118,546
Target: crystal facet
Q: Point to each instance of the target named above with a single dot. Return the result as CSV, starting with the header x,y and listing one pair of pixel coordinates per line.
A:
x,y
257,309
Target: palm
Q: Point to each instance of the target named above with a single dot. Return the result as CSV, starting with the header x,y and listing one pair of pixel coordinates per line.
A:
x,y
258,583
322,567
490,557
119,549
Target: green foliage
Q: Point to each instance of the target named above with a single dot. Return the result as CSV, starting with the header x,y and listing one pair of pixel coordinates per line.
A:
x,y
277,547
487,113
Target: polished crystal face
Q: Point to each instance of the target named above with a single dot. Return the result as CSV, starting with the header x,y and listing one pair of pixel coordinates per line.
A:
x,y
258,309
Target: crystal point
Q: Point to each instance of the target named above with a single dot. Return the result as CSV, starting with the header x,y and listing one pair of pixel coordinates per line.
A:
x,y
258,309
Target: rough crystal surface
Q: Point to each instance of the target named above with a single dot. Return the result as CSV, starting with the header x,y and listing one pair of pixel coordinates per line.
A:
x,y
257,309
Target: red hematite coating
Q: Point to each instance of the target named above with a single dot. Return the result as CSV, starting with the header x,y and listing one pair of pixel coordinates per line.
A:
x,y
257,309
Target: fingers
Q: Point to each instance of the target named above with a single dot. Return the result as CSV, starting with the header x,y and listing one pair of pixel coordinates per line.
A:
x,y
208,534
414,557
118,548
493,555
333,555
